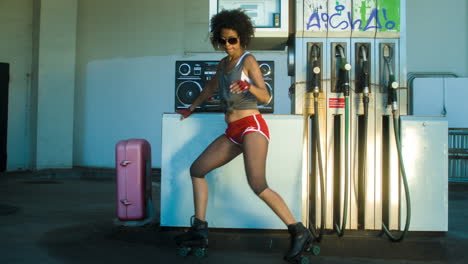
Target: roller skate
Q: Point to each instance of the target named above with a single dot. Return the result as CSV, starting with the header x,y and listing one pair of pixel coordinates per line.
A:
x,y
195,240
301,242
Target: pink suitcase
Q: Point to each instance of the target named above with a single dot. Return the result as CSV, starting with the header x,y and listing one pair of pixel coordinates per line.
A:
x,y
133,166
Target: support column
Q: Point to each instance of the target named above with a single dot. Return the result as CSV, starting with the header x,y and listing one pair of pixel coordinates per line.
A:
x,y
54,85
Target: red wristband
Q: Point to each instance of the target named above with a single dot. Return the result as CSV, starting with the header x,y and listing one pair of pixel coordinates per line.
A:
x,y
245,86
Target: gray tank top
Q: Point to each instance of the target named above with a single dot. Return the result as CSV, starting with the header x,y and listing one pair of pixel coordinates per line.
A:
x,y
232,101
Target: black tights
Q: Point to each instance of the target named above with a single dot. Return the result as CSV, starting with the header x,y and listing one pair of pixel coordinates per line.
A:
x,y
222,151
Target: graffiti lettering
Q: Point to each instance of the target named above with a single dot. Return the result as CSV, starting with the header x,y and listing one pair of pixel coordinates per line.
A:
x,y
323,20
339,9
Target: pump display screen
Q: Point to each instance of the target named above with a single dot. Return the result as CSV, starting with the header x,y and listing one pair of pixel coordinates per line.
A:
x,y
264,13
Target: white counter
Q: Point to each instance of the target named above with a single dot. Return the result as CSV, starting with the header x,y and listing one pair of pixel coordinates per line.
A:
x,y
231,204
424,142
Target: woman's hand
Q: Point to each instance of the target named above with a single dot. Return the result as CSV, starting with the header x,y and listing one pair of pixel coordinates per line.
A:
x,y
186,112
239,86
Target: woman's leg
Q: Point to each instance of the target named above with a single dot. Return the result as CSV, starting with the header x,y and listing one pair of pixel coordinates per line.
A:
x,y
255,148
218,153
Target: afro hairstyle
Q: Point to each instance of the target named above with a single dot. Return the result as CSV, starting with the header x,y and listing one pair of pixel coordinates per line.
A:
x,y
235,19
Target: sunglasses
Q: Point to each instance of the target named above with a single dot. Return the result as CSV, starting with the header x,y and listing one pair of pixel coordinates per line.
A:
x,y
231,41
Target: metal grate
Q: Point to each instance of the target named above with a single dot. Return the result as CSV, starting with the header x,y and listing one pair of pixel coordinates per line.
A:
x,y
458,155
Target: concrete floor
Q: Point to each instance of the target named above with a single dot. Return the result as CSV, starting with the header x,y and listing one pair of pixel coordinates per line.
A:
x,y
67,217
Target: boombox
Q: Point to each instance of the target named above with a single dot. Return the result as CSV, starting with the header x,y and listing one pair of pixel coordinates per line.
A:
x,y
191,77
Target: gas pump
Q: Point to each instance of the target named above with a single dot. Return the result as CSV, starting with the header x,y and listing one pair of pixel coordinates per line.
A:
x,y
343,86
316,85
392,98
361,125
361,158
314,148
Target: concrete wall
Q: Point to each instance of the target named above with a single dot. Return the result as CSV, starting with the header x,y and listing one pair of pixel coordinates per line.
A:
x,y
437,38
124,74
126,58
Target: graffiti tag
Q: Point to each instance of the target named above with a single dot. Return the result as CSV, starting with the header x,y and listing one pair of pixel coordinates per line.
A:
x,y
325,20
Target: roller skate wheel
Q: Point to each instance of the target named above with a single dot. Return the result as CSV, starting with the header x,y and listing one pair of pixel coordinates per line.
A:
x,y
316,250
183,252
305,260
200,252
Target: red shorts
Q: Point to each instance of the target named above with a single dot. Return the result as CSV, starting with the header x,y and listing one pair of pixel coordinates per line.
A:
x,y
254,123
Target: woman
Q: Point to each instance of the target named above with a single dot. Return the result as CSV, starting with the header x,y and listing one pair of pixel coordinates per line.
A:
x,y
240,84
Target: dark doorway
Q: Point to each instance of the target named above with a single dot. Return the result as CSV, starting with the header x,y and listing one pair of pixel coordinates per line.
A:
x,y
4,80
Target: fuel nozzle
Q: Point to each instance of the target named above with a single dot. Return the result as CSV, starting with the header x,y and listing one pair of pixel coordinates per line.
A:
x,y
316,70
364,70
392,83
344,69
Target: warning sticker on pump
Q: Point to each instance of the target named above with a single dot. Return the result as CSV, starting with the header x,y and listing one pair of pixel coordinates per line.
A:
x,y
336,103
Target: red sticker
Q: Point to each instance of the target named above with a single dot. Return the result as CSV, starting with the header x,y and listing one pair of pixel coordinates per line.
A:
x,y
336,102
